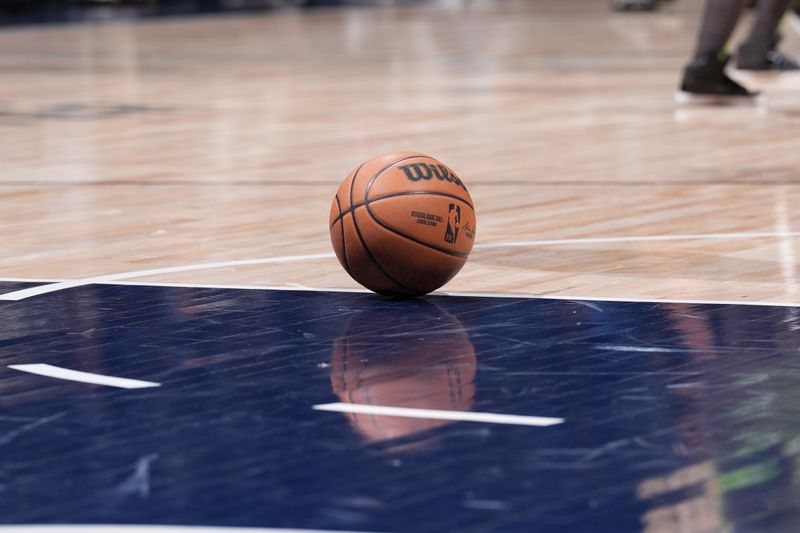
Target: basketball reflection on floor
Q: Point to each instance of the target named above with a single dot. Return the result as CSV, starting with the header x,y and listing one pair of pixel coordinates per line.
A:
x,y
385,358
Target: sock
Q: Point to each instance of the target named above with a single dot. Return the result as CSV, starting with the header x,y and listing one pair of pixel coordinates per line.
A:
x,y
719,21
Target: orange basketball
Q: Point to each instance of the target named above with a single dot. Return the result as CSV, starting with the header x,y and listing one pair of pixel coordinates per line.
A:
x,y
402,224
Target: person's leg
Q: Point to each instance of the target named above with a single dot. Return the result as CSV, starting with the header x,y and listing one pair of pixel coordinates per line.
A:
x,y
705,75
719,20
637,5
765,26
634,5
758,51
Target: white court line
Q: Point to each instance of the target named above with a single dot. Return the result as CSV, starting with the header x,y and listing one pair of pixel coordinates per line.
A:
x,y
783,223
57,372
68,284
520,295
292,287
643,238
622,300
459,416
113,528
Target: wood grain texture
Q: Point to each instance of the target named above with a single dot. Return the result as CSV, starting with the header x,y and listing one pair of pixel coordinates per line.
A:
x,y
138,145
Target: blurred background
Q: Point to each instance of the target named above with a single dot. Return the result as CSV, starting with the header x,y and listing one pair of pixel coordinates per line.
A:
x,y
39,11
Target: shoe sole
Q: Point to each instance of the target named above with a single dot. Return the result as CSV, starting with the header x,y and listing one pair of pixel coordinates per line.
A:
x,y
760,69
686,98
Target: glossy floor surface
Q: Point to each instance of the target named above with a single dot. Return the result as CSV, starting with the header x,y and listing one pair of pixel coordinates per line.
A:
x,y
652,390
167,143
675,417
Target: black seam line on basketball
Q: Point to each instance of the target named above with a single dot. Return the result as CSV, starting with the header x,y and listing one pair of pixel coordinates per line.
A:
x,y
413,239
346,264
361,238
396,232
396,194
352,207
378,175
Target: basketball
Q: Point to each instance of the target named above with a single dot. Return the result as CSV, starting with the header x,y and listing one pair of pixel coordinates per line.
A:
x,y
402,224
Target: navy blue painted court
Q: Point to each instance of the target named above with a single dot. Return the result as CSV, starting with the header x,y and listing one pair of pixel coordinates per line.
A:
x,y
668,409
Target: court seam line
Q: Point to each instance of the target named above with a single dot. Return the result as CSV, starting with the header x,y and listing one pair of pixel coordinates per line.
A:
x,y
498,183
642,238
68,284
30,280
472,184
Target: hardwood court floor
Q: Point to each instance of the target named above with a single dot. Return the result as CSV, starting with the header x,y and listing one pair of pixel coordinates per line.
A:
x,y
138,145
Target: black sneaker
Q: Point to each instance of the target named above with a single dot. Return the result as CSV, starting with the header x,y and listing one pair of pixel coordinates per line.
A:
x,y
758,57
634,5
704,79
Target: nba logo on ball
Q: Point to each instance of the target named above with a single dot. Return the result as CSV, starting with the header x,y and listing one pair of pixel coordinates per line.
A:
x,y
453,221
402,224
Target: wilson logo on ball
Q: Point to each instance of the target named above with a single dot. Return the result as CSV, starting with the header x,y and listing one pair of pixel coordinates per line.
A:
x,y
402,224
423,171
453,223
